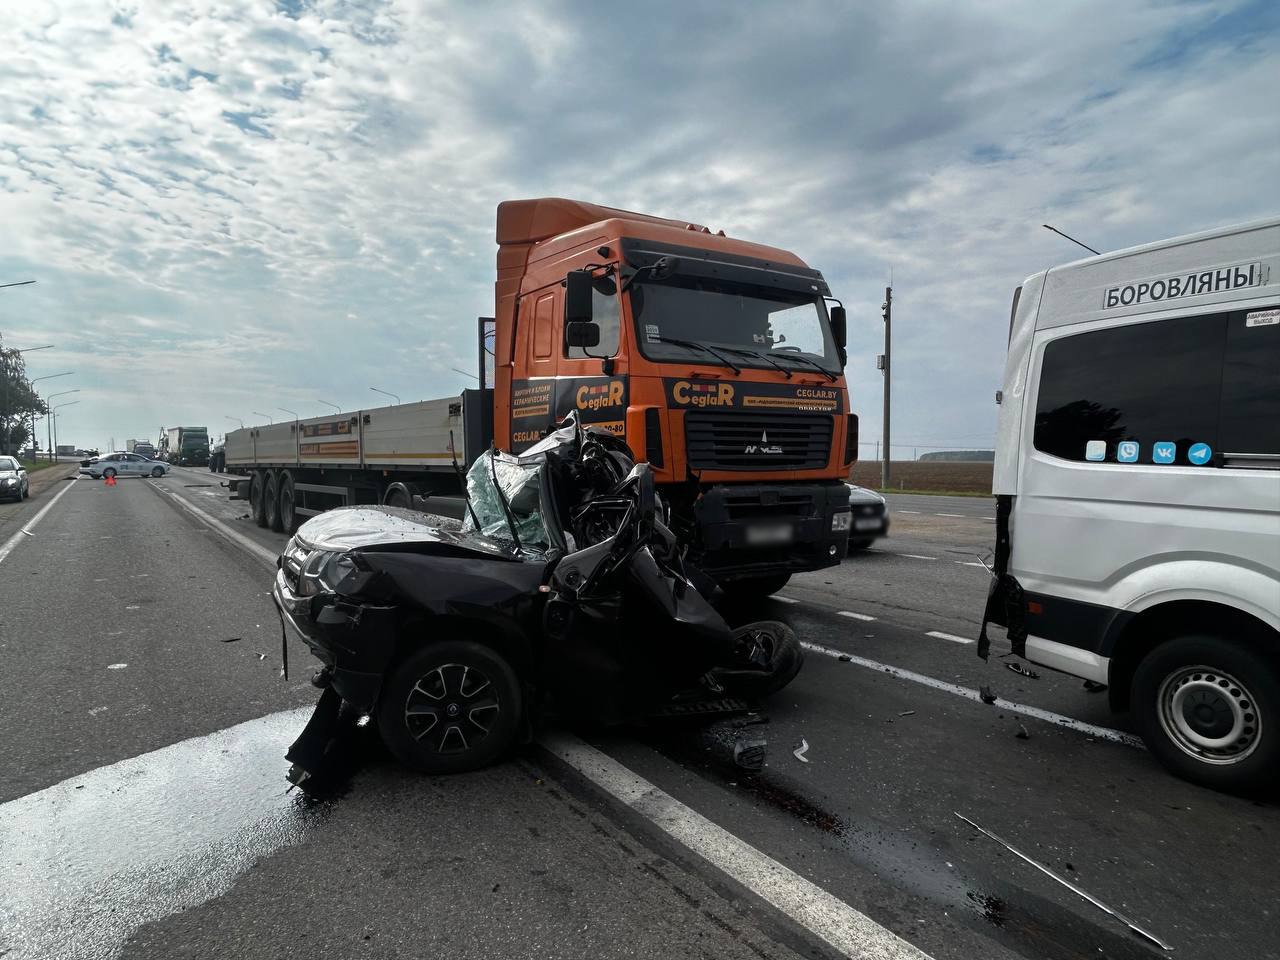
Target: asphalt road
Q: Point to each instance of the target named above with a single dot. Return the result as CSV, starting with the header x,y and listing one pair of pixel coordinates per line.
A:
x,y
143,810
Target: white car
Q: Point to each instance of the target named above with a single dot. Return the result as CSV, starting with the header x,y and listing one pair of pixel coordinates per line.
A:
x,y
13,480
123,465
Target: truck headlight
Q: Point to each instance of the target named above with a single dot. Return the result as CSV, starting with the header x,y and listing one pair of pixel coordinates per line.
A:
x,y
841,522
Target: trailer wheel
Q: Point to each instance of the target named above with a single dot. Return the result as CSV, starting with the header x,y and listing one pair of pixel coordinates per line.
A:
x,y
398,495
1208,707
288,511
450,706
271,506
257,498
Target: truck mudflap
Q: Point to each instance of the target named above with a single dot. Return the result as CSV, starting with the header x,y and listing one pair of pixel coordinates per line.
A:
x,y
1006,605
750,530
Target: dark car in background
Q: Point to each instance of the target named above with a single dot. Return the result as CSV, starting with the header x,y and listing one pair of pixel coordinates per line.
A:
x,y
870,517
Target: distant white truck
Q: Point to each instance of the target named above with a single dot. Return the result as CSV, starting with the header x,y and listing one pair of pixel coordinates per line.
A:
x,y
1137,478
399,455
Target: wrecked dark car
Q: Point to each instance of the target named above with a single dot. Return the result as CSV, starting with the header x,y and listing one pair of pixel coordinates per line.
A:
x,y
562,589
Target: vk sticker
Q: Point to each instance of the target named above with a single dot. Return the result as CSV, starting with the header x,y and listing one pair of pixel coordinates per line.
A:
x,y
1095,450
1199,454
1127,451
1164,452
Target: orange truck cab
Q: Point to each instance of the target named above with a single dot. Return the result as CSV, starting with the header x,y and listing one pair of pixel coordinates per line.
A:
x,y
719,361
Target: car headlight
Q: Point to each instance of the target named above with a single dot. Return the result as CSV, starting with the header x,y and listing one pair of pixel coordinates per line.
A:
x,y
841,521
323,571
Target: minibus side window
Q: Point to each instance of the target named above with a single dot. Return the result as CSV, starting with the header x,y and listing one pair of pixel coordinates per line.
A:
x,y
1251,385
1154,383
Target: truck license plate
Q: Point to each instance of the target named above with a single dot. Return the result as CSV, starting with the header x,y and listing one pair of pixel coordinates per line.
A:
x,y
767,534
867,523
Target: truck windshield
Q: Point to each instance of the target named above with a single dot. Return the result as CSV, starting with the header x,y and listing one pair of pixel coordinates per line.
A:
x,y
787,327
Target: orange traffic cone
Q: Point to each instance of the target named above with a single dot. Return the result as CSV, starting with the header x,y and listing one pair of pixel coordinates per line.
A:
x,y
110,480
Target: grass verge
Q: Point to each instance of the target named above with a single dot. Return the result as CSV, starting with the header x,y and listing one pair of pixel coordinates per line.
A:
x,y
31,466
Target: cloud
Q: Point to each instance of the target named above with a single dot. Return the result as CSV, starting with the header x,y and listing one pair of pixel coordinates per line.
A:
x,y
295,200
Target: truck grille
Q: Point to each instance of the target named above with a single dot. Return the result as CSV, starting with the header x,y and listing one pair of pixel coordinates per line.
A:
x,y
757,441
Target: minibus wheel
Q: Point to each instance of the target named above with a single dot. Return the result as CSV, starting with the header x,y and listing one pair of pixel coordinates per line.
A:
x,y
1208,707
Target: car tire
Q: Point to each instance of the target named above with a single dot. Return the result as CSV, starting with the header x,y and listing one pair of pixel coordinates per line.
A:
x,y
861,543
435,717
26,492
157,472
271,506
784,655
287,504
754,588
1208,708
109,472
257,499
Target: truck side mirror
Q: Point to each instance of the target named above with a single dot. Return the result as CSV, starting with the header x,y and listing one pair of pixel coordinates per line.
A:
x,y
577,298
839,327
582,333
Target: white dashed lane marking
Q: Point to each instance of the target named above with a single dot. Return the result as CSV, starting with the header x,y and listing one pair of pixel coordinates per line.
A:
x,y
782,599
914,556
958,515
948,636
854,616
1092,730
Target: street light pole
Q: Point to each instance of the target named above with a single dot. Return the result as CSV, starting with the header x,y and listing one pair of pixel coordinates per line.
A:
x,y
50,427
52,376
386,393
887,310
236,419
287,410
328,404
257,413
53,415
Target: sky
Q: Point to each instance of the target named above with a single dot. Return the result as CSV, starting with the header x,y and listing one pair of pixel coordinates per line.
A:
x,y
235,208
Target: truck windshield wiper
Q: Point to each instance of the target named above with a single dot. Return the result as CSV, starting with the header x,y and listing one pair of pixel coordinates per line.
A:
x,y
760,356
813,363
699,346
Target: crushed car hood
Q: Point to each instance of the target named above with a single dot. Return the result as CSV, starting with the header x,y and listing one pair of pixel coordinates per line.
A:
x,y
352,528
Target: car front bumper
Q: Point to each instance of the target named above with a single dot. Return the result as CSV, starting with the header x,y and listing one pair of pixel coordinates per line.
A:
x,y
356,641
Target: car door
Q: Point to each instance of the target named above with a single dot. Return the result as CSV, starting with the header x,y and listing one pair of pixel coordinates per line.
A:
x,y
138,465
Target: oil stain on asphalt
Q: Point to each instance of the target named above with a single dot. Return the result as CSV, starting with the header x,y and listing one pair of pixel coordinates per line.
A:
x,y
86,862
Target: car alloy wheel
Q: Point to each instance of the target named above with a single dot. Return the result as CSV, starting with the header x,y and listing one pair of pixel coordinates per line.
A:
x,y
452,708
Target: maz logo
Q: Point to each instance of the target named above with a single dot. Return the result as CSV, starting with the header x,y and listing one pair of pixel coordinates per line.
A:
x,y
764,446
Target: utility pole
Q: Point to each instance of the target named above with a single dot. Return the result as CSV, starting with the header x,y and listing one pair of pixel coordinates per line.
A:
x,y
886,309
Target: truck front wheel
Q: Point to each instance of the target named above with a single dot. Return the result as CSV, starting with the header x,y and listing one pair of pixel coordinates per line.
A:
x,y
1208,707
754,588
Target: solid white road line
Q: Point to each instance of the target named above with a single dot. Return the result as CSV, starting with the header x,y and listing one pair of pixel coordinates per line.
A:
x,y
853,616
948,636
906,511
26,530
782,599
959,515
1102,733
834,921
914,556
235,536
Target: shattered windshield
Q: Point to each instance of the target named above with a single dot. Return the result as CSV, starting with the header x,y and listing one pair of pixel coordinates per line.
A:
x,y
521,486
771,324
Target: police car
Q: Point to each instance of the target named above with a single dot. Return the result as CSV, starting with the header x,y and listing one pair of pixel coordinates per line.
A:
x,y
123,465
